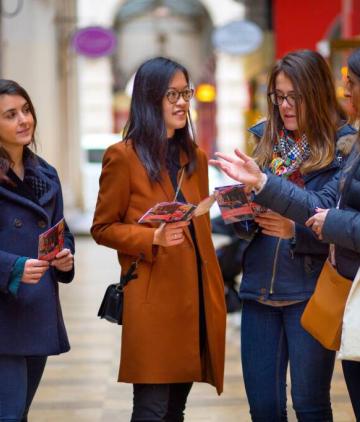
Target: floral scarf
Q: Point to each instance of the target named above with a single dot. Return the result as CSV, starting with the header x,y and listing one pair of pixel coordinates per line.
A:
x,y
288,155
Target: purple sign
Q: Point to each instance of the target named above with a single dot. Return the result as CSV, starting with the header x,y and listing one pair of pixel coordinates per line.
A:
x,y
94,41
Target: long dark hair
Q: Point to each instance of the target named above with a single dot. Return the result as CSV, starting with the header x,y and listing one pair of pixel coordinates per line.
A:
x,y
8,87
313,82
146,127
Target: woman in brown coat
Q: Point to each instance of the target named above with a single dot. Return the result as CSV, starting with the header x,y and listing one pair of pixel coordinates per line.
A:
x,y
174,313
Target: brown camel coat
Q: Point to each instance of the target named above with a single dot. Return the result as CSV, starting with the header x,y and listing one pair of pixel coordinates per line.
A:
x,y
160,336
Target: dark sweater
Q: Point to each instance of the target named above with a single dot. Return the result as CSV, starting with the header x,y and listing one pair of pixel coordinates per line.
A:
x,y
173,165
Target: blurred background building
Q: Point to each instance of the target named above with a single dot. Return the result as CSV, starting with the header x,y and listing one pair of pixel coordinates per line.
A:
x,y
77,59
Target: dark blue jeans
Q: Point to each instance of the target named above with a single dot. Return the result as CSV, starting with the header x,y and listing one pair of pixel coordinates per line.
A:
x,y
20,377
160,402
272,338
352,377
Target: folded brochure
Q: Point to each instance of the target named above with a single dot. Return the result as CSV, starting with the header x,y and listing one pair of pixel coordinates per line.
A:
x,y
235,204
51,242
172,212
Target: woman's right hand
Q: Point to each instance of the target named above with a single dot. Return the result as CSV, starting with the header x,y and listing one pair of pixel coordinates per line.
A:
x,y
241,168
34,269
170,234
316,222
274,224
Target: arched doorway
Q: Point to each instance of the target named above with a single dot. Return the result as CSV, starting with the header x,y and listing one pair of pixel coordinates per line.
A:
x,y
180,30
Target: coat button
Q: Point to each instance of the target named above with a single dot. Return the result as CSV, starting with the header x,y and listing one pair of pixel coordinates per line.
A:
x,y
42,224
18,223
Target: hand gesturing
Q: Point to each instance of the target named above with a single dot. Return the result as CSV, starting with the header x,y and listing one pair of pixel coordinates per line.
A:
x,y
241,168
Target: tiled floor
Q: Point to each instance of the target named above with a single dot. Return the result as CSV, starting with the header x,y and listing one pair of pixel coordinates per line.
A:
x,y
81,386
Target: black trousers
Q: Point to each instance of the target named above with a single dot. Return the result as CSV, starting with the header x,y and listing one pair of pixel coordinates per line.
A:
x,y
160,402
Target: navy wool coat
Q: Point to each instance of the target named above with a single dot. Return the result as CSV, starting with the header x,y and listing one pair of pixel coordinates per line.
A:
x,y
31,324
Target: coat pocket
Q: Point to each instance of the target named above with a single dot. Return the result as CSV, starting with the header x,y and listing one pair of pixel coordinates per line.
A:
x,y
173,272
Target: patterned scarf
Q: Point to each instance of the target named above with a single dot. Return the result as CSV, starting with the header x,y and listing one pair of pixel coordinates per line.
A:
x,y
288,155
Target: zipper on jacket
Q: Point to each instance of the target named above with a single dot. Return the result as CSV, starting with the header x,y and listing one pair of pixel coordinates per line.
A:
x,y
274,267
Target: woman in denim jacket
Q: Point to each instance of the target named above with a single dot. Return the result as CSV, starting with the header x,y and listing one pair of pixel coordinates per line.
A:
x,y
302,141
334,211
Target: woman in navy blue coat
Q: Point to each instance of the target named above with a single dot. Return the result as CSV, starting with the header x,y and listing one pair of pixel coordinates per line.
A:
x,y
333,212
31,322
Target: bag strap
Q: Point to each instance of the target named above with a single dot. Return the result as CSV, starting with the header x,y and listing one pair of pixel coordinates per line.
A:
x,y
179,184
130,273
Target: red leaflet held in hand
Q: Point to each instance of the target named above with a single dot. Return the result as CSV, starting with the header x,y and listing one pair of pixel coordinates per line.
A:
x,y
51,242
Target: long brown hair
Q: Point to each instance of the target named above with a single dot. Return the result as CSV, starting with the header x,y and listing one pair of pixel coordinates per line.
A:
x,y
313,83
8,87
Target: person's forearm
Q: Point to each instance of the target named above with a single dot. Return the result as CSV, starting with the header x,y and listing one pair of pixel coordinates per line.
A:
x,y
342,227
291,201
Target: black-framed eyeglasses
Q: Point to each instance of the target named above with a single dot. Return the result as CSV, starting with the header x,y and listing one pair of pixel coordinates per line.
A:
x,y
277,99
173,95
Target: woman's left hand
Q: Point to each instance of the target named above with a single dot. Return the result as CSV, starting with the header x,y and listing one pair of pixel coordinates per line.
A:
x,y
316,222
274,224
64,260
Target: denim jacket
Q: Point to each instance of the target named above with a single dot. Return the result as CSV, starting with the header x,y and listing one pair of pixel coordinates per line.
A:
x,y
341,226
287,269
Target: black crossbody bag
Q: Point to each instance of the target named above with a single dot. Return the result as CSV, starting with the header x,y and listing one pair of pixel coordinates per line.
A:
x,y
111,307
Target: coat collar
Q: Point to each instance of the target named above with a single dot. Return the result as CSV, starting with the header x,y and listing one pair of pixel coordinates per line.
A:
x,y
35,166
166,186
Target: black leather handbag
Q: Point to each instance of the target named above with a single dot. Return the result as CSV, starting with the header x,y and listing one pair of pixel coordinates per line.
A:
x,y
111,307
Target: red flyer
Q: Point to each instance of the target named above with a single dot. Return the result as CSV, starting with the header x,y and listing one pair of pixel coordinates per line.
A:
x,y
236,205
51,242
233,203
168,212
171,212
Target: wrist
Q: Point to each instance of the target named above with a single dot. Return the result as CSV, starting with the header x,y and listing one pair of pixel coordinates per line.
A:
x,y
17,274
261,182
292,233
